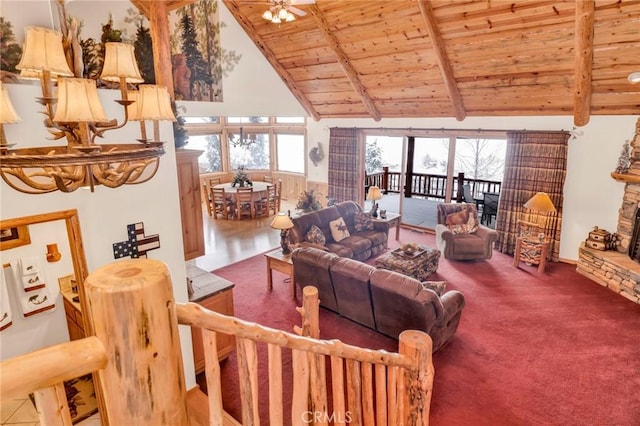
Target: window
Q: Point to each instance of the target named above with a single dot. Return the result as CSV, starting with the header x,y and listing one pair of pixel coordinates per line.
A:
x,y
211,159
250,152
256,143
290,149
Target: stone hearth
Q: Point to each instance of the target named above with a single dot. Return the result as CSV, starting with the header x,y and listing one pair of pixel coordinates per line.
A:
x,y
614,269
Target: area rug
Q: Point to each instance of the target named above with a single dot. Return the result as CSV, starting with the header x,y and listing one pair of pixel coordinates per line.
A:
x,y
531,349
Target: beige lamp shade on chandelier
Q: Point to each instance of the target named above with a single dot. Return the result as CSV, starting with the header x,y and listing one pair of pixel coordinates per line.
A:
x,y
76,114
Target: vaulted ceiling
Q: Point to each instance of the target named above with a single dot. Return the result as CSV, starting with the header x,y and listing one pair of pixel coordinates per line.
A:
x,y
445,58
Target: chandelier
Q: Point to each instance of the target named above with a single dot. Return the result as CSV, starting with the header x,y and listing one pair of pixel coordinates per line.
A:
x,y
77,115
242,141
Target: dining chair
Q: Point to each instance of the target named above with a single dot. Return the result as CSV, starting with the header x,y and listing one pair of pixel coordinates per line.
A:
x,y
268,178
245,205
489,207
207,185
221,203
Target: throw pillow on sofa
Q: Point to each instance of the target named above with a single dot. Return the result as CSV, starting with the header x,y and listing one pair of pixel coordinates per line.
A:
x,y
315,236
437,286
339,230
362,221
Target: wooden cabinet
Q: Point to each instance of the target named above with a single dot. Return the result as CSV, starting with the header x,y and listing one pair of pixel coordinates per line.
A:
x,y
190,202
221,302
74,319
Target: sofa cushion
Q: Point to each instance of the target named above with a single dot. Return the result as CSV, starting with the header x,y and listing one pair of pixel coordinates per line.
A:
x,y
339,230
315,236
401,303
311,267
362,222
351,287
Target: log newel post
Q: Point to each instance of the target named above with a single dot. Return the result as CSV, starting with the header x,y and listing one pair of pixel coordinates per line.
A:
x,y
134,316
385,179
459,192
418,383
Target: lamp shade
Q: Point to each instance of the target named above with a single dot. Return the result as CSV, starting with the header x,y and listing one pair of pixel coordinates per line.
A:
x,y
133,109
8,114
43,52
155,103
282,221
120,62
374,193
78,101
540,202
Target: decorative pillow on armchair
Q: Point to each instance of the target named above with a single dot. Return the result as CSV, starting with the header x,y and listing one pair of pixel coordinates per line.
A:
x,y
464,221
362,222
339,230
315,236
437,286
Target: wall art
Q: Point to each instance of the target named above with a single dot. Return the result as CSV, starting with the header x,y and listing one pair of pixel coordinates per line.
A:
x,y
13,237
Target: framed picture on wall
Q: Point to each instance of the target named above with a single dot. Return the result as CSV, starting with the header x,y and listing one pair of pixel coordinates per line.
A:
x,y
14,237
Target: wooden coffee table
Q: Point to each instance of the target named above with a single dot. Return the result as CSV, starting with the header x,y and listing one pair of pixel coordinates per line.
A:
x,y
277,261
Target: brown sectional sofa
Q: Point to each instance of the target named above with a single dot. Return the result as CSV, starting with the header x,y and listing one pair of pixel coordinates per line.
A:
x,y
386,301
360,245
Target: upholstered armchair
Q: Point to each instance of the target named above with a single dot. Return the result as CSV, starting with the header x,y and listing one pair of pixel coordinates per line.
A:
x,y
460,236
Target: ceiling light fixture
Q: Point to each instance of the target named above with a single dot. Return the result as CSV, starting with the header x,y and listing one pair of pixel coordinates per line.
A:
x,y
280,11
77,115
634,77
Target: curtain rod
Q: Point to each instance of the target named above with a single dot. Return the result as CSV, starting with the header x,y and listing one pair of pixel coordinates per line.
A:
x,y
450,130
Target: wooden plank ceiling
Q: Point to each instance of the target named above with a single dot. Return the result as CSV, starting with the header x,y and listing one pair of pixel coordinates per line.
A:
x,y
443,58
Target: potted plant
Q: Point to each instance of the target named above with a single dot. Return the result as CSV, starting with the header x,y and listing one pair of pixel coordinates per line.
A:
x,y
241,178
309,201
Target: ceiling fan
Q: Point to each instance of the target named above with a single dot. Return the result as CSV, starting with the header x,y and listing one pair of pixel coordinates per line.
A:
x,y
283,10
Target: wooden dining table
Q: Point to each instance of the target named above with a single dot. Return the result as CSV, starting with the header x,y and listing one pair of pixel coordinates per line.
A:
x,y
259,190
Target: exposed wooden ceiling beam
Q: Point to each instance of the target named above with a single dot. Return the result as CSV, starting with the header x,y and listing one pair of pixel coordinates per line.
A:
x,y
232,5
157,14
343,60
169,5
442,58
584,19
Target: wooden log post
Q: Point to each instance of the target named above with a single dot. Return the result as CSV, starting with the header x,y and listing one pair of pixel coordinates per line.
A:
x,y
418,383
133,314
459,192
385,179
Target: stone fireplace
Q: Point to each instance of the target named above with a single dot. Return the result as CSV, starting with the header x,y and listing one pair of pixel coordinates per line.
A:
x,y
614,269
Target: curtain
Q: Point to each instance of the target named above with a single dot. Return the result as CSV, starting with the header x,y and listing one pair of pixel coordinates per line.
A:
x,y
535,162
345,165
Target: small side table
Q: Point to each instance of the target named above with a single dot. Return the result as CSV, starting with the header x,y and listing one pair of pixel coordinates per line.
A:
x,y
393,219
281,263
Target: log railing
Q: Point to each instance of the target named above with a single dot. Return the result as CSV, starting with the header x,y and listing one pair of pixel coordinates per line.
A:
x,y
430,186
136,351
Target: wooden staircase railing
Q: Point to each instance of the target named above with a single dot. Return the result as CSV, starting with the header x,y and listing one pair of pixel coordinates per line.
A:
x,y
136,350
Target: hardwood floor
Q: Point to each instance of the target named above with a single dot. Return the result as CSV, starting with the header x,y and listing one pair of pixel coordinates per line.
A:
x,y
228,241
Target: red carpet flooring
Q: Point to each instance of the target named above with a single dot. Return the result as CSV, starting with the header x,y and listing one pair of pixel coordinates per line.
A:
x,y
531,349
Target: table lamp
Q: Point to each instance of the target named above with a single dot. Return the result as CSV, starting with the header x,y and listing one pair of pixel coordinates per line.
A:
x,y
282,221
374,194
540,202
